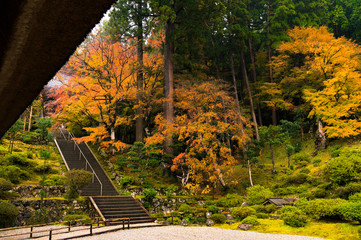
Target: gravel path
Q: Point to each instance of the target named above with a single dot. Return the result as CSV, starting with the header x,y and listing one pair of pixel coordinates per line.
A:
x,y
191,233
171,233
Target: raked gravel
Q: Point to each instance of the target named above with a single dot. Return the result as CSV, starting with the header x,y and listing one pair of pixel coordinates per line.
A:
x,y
190,233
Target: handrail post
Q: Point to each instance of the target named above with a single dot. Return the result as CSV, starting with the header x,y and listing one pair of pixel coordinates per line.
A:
x,y
123,224
31,231
69,226
91,229
128,223
50,233
101,189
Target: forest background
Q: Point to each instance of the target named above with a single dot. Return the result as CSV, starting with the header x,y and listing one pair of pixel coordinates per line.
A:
x,y
201,86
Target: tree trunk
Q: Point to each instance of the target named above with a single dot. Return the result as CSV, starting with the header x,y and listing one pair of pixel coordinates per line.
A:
x,y
254,74
24,129
30,118
245,77
273,161
112,133
168,85
250,172
139,125
321,135
239,112
289,160
274,114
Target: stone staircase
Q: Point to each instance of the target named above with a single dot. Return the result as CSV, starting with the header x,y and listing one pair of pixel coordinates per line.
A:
x,y
102,193
115,207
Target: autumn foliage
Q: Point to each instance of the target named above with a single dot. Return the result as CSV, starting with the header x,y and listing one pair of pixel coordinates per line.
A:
x,y
316,69
208,125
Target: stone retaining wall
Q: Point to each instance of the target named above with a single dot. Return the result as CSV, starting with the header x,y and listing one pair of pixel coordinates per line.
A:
x,y
53,210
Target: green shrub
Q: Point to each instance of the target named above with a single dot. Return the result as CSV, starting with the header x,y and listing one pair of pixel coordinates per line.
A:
x,y
323,208
351,211
258,194
174,213
13,174
293,217
230,200
319,193
251,220
121,161
29,155
184,208
75,180
73,217
8,214
45,154
18,159
262,215
43,168
242,212
5,186
305,171
201,220
270,208
176,220
149,194
296,179
345,191
301,157
259,208
126,181
218,218
55,180
343,169
355,197
316,161
213,209
335,151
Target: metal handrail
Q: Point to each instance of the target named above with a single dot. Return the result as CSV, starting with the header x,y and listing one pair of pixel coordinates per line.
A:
x,y
71,137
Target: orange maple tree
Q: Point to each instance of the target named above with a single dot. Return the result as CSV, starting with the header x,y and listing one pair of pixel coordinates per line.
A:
x,y
208,125
99,88
325,72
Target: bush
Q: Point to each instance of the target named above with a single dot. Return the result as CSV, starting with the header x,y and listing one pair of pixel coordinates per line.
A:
x,y
351,211
202,220
43,168
174,213
293,217
258,194
270,208
213,209
346,191
185,208
176,220
242,212
319,193
355,197
259,208
75,180
149,194
230,200
301,157
18,159
73,217
335,151
323,208
126,181
8,214
13,174
250,220
343,169
316,161
262,215
218,218
55,180
45,154
5,186
297,179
